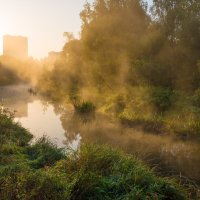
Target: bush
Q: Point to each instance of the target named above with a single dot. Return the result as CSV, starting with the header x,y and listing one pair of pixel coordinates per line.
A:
x,y
84,107
162,98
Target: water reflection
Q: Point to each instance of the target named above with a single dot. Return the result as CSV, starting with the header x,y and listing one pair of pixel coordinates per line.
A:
x,y
42,121
16,98
61,124
171,156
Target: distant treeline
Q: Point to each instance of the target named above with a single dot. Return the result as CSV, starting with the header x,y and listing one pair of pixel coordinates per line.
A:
x,y
7,77
15,71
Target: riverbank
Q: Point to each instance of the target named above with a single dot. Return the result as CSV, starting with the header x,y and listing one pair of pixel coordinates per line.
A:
x,y
155,110
44,171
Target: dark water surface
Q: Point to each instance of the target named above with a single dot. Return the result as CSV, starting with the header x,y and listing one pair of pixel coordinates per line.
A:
x,y
171,156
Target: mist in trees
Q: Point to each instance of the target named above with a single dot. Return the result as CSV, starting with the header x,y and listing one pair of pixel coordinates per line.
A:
x,y
135,57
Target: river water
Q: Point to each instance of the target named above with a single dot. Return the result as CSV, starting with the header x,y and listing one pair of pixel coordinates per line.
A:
x,y
169,155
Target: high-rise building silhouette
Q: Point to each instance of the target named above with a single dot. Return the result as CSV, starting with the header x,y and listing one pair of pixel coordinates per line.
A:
x,y
15,46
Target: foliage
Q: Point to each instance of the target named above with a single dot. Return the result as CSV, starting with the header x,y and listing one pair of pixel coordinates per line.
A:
x,y
14,71
121,50
180,20
122,46
152,124
11,132
84,107
162,98
196,98
44,153
104,173
8,77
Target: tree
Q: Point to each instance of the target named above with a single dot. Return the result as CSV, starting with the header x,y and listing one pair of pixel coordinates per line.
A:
x,y
112,31
180,20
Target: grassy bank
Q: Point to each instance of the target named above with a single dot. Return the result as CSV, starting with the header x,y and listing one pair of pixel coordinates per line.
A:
x,y
44,171
155,110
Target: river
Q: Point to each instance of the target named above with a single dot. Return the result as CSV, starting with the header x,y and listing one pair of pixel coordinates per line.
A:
x,y
169,155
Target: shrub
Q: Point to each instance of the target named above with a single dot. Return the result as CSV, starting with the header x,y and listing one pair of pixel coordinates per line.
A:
x,y
84,107
162,98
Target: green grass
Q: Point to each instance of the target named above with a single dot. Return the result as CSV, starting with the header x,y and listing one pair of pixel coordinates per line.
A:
x,y
42,171
44,153
11,132
154,124
84,107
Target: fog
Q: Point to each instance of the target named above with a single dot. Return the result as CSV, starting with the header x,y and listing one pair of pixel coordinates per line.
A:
x,y
140,69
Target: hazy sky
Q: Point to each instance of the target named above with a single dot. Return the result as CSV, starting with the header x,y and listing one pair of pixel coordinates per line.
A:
x,y
42,21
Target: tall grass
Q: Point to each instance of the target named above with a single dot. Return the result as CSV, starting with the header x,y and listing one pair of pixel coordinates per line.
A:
x,y
85,107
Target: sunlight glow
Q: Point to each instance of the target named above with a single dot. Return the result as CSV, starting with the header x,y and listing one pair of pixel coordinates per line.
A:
x,y
43,22
2,32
